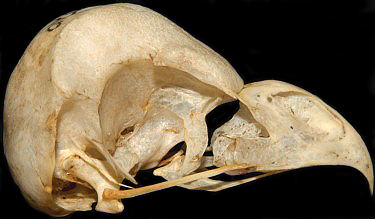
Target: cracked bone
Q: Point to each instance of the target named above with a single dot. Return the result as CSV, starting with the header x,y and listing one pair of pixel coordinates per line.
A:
x,y
104,92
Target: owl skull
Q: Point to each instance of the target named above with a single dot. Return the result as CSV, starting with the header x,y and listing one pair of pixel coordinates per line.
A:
x,y
107,91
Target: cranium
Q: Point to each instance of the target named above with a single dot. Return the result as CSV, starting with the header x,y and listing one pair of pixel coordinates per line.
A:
x,y
107,91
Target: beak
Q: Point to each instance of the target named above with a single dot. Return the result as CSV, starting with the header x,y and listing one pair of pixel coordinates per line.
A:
x,y
327,138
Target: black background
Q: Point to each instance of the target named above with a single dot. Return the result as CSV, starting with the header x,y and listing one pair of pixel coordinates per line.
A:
x,y
326,47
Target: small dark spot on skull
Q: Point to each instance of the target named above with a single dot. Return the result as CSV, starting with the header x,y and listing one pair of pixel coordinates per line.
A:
x,y
127,130
269,99
76,156
233,145
195,158
334,153
54,25
291,127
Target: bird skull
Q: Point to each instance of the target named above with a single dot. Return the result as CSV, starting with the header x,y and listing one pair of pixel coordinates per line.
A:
x,y
101,93
104,92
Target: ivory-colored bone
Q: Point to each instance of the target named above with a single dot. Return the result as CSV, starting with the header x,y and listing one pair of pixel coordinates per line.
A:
x,y
110,194
281,126
104,92
113,75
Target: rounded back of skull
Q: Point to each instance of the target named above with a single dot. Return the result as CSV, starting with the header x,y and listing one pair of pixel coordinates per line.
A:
x,y
88,76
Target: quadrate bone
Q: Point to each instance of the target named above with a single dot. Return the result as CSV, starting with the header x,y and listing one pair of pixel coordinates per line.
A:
x,y
107,91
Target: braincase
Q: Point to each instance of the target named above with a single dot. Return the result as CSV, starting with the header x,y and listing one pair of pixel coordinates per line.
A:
x,y
101,40
78,63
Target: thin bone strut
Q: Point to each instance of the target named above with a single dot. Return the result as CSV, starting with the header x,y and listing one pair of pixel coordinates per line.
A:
x,y
114,194
226,185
